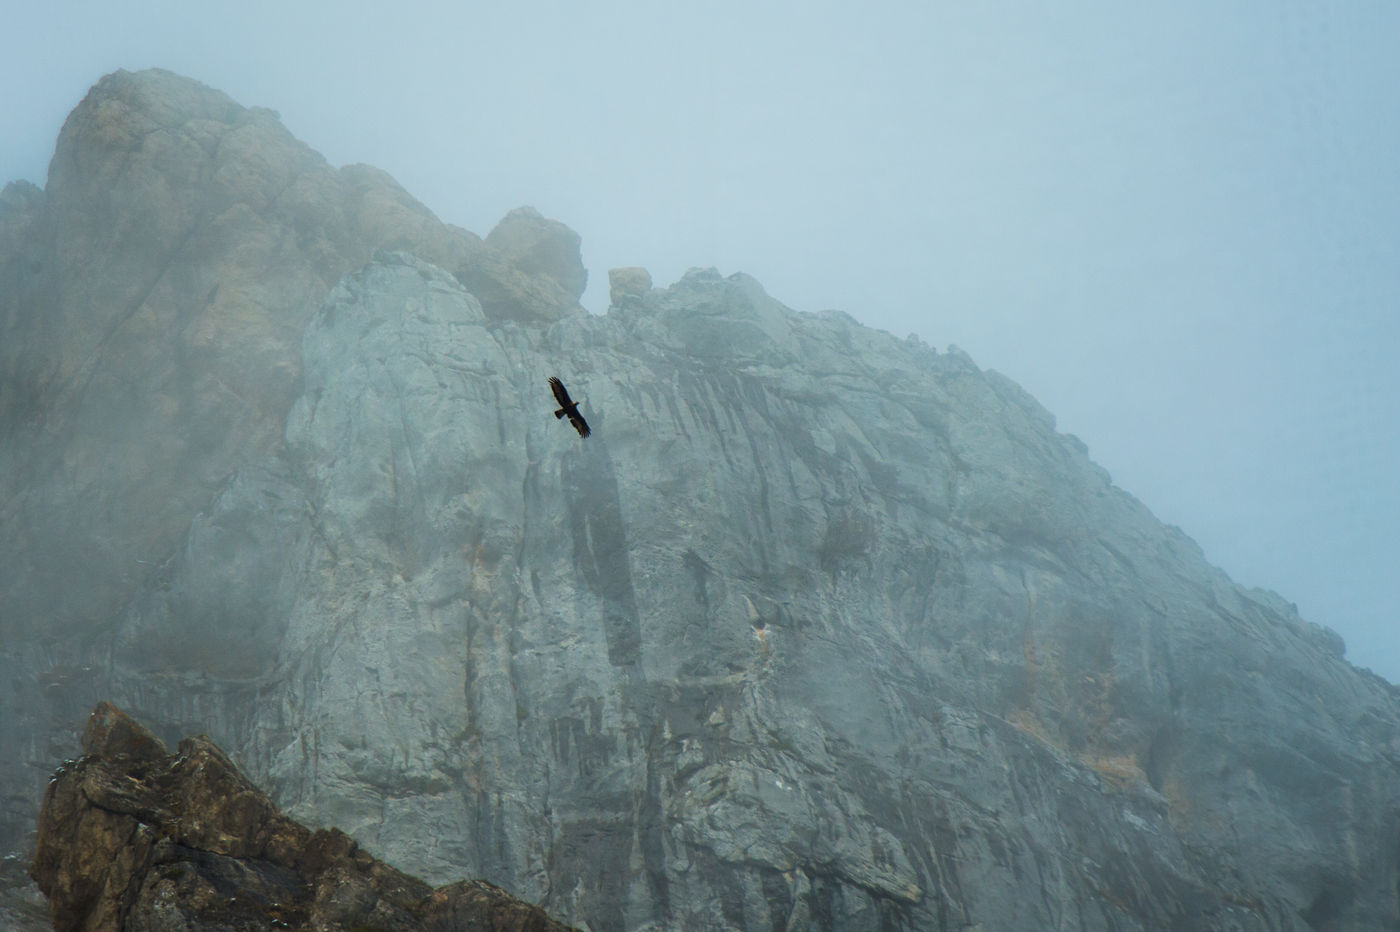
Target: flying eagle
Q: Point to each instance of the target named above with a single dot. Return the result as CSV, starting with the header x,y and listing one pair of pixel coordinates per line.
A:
x,y
568,406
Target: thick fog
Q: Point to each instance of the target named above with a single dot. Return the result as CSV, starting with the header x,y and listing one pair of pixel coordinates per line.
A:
x,y
1179,229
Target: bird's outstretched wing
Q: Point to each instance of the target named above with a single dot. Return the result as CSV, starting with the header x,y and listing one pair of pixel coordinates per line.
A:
x,y
579,423
561,394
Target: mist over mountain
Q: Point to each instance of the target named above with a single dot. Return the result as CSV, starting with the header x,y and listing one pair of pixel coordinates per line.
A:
x,y
819,629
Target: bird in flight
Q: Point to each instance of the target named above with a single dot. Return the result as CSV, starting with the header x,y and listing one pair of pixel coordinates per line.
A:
x,y
568,406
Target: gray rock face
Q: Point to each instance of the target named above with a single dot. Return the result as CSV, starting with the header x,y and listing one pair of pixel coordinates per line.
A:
x,y
154,299
820,629
152,302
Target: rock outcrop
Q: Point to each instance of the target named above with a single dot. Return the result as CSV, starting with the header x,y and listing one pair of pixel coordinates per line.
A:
x,y
132,837
629,282
821,629
542,247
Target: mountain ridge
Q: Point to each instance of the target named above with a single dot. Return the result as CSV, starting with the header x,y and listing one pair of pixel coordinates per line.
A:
x,y
821,628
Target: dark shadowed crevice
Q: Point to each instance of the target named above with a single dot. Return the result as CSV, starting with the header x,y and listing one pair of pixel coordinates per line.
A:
x,y
600,547
1326,908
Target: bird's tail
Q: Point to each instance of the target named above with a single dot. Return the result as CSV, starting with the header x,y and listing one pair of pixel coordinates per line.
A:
x,y
559,413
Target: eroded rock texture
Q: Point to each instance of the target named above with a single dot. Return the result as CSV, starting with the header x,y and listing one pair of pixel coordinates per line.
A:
x,y
152,302
132,837
821,629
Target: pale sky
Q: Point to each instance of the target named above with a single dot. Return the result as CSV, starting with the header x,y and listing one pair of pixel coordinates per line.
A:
x,y
1176,225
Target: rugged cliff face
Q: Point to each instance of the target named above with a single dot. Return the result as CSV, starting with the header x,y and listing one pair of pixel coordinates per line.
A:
x,y
820,628
133,837
152,302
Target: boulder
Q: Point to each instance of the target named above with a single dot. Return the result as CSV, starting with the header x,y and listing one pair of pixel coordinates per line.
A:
x,y
630,282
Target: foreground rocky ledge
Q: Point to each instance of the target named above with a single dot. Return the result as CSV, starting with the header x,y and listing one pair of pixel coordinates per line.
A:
x,y
133,837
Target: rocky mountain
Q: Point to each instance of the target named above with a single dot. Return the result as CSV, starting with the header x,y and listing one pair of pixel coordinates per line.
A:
x,y
133,837
821,629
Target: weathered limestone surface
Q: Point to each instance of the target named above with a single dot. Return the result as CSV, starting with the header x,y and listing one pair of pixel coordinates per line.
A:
x,y
153,298
153,301
820,629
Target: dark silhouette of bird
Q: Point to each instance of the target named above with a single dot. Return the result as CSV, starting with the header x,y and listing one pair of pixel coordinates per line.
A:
x,y
568,406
